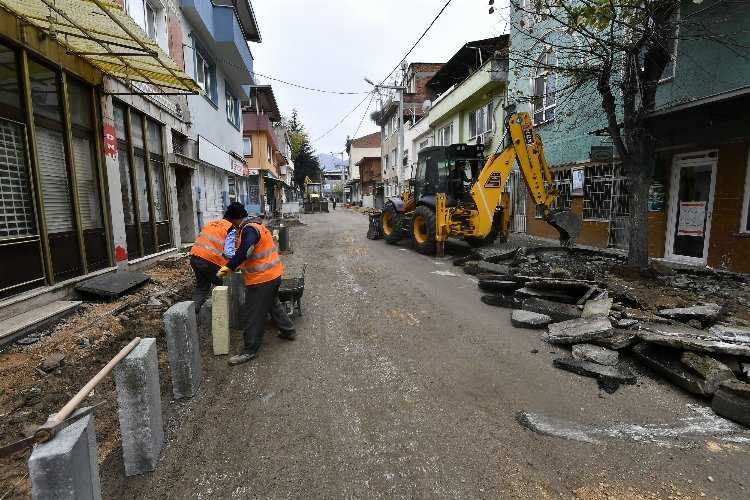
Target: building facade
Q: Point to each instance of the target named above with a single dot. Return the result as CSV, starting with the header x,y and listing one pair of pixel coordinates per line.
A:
x,y
108,160
367,146
698,203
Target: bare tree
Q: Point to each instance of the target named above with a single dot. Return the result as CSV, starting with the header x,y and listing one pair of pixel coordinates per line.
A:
x,y
614,52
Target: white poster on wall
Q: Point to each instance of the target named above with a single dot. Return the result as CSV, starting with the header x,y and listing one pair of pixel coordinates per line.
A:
x,y
692,218
577,178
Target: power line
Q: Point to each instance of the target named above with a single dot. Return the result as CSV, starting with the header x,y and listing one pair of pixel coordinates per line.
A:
x,y
372,96
312,89
424,33
342,119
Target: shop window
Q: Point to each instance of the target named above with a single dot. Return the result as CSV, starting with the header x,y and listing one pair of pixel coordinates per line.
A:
x,y
597,192
144,180
87,180
53,170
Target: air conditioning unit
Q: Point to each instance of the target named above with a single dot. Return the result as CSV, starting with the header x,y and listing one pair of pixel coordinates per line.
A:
x,y
485,139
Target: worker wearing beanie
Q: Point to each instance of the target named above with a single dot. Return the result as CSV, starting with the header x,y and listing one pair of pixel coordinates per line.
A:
x,y
207,254
257,256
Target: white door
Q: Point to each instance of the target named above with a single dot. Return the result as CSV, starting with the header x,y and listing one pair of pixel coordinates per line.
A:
x,y
691,200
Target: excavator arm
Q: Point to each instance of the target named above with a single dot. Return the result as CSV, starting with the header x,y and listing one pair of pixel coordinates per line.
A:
x,y
526,148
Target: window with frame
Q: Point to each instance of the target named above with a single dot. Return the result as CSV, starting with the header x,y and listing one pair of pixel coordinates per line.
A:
x,y
480,121
247,146
205,75
597,192
152,21
232,107
394,123
545,84
445,135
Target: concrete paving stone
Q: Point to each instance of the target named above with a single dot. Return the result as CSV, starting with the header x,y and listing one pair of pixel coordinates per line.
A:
x,y
666,362
712,371
528,319
139,408
594,308
555,310
184,349
732,401
578,331
112,285
66,467
620,339
703,313
595,354
220,320
692,339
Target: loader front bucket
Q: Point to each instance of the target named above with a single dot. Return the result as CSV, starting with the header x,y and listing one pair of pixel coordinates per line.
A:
x,y
568,224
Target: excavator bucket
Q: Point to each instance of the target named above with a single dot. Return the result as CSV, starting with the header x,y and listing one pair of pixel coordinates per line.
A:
x,y
567,223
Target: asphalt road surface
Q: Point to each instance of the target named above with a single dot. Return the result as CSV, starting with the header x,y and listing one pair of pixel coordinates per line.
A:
x,y
402,384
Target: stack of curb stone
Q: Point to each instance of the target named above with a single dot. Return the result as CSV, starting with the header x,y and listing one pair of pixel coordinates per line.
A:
x,y
689,346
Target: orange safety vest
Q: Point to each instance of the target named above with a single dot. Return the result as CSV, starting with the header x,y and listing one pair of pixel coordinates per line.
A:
x,y
209,245
264,264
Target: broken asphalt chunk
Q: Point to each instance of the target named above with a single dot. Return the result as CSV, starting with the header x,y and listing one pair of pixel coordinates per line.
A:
x,y
528,319
500,300
52,361
608,374
713,372
703,313
490,268
595,354
499,285
692,339
732,333
555,310
619,340
666,362
548,294
641,315
732,401
577,331
594,308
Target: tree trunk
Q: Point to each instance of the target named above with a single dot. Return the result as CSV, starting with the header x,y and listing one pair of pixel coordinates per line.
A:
x,y
638,186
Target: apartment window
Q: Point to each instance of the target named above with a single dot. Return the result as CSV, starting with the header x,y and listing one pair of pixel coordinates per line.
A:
x,y
480,121
233,112
151,21
445,135
205,75
394,159
411,86
545,83
394,123
247,146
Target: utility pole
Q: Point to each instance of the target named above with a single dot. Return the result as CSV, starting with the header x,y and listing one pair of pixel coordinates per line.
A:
x,y
400,143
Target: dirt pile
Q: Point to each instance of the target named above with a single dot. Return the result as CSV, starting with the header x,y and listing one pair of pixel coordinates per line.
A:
x,y
37,379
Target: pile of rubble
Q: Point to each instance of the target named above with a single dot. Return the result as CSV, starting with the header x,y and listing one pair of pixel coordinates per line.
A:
x,y
703,347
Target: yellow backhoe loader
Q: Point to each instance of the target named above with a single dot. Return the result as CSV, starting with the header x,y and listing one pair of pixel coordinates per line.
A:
x,y
453,195
313,201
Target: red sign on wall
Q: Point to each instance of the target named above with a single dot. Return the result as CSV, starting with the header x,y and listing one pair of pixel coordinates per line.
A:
x,y
110,141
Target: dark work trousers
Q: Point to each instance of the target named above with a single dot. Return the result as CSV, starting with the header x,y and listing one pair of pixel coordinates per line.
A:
x,y
205,278
260,301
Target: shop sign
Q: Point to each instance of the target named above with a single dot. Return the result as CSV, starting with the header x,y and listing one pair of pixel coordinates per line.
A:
x,y
110,141
692,218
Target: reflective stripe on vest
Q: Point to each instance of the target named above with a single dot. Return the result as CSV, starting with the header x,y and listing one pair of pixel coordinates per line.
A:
x,y
209,244
264,264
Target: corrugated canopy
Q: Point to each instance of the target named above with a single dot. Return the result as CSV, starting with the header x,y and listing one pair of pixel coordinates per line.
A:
x,y
105,36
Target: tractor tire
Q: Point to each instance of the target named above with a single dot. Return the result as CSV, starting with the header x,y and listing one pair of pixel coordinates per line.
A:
x,y
422,230
390,224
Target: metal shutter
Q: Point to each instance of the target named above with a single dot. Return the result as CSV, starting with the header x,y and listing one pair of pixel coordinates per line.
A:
x,y
16,205
88,190
55,189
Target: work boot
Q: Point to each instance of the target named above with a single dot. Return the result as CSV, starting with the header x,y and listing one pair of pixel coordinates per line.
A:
x,y
287,334
241,358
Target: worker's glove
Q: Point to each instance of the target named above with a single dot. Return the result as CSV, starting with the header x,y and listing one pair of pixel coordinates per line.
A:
x,y
224,272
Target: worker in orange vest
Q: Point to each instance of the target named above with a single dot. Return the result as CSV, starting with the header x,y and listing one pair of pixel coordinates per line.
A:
x,y
207,254
257,257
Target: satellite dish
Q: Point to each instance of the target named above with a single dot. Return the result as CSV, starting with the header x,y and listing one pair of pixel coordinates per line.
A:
x,y
426,105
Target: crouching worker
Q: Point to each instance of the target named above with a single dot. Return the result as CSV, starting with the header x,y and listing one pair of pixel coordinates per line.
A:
x,y
258,259
207,254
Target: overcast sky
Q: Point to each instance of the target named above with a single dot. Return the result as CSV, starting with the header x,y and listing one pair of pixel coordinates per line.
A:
x,y
334,44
